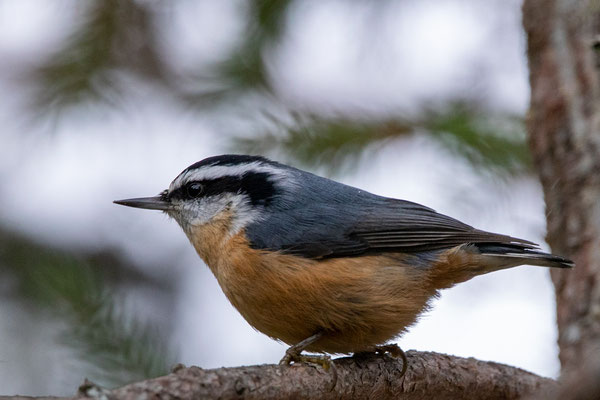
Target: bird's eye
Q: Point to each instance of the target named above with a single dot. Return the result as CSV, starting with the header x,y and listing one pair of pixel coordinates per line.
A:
x,y
194,189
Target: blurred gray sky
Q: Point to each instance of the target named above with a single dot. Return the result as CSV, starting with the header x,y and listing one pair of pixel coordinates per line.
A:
x,y
335,57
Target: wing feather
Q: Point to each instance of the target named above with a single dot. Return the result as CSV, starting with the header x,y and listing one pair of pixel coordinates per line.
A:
x,y
400,226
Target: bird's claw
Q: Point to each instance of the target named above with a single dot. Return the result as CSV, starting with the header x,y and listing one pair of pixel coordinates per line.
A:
x,y
392,349
395,351
293,357
323,360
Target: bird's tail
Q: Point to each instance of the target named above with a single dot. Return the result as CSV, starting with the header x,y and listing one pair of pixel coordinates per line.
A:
x,y
511,255
466,261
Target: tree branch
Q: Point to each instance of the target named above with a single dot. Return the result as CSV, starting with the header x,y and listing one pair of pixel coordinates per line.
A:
x,y
429,375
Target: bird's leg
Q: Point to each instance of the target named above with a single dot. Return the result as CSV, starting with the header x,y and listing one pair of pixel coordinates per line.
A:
x,y
292,354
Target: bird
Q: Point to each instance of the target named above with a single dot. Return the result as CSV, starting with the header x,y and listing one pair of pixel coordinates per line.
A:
x,y
322,266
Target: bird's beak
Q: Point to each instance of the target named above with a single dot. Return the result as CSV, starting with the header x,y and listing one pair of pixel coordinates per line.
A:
x,y
150,203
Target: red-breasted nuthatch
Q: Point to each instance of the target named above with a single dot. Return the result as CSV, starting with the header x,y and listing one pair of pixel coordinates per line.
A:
x,y
320,265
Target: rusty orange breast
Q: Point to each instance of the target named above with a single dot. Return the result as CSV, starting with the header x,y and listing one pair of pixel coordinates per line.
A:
x,y
360,301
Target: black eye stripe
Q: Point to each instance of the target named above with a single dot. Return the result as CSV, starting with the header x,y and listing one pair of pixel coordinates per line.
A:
x,y
256,185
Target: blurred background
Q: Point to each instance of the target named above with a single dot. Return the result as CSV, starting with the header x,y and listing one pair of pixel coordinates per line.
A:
x,y
106,99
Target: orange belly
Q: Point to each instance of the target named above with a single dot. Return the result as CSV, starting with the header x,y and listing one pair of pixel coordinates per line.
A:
x,y
358,302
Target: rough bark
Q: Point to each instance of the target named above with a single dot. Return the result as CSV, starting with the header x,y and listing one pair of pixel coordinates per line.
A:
x,y
564,138
429,375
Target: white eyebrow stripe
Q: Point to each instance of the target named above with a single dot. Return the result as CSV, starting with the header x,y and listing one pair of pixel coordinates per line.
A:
x,y
218,171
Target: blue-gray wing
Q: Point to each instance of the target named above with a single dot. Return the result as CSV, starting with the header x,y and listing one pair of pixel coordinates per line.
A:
x,y
316,217
376,224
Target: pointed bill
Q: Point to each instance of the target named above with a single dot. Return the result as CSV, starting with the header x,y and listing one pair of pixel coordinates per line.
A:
x,y
149,203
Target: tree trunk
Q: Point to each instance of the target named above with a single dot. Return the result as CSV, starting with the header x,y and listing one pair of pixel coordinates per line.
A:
x,y
564,136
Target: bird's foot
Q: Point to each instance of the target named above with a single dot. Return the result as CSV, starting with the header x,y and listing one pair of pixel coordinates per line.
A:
x,y
394,351
294,353
324,361
295,357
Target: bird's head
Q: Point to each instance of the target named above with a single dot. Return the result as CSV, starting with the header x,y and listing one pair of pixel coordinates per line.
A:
x,y
244,187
